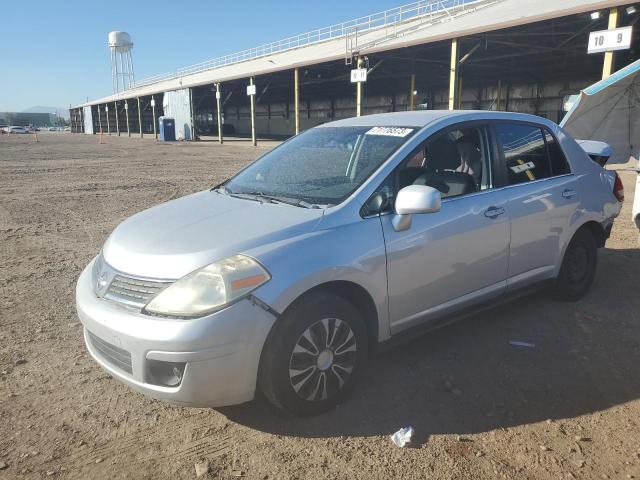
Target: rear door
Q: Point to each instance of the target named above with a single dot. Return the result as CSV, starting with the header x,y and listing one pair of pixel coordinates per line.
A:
x,y
542,198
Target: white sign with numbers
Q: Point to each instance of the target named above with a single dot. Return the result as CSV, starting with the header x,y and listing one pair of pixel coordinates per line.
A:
x,y
251,89
609,40
359,75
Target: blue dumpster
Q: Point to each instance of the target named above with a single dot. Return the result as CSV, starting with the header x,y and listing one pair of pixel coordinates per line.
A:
x,y
167,129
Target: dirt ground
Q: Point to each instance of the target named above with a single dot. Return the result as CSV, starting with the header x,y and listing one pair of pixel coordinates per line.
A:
x,y
481,408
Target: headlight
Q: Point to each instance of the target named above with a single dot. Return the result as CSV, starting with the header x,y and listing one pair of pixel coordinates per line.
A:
x,y
210,288
98,277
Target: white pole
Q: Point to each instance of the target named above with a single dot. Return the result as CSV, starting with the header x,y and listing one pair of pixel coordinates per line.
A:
x,y
124,87
114,76
132,78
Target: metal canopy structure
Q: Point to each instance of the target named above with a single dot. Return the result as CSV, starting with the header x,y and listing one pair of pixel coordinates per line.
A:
x,y
432,54
422,24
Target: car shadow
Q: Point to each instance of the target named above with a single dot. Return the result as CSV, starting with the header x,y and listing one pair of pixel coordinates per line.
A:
x,y
467,378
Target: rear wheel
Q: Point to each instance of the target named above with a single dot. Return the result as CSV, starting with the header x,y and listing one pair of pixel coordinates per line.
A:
x,y
314,355
578,267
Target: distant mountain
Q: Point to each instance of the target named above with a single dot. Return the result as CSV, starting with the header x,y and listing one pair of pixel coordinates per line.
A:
x,y
63,112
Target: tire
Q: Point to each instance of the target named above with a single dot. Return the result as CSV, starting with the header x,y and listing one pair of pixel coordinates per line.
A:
x,y
578,267
314,355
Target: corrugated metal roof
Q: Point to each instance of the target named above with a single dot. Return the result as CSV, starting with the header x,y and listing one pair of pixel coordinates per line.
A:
x,y
486,16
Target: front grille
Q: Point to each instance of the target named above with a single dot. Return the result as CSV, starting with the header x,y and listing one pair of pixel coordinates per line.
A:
x,y
133,291
116,356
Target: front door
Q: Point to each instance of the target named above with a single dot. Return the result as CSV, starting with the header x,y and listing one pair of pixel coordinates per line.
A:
x,y
457,256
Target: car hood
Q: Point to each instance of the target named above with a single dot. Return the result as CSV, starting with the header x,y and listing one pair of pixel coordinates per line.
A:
x,y
172,239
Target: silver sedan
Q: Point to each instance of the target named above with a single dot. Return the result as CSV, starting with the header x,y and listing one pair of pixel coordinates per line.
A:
x,y
290,274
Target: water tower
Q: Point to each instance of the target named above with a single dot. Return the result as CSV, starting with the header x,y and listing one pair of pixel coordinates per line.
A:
x,y
120,46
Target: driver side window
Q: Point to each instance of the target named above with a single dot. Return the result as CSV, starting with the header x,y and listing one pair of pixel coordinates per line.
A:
x,y
456,162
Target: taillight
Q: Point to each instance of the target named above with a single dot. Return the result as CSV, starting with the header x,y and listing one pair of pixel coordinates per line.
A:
x,y
618,188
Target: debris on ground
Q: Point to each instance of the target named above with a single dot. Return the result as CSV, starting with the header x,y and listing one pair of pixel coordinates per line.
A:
x,y
517,343
202,468
402,436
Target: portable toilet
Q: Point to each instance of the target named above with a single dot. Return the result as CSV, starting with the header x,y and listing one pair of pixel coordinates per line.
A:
x,y
167,129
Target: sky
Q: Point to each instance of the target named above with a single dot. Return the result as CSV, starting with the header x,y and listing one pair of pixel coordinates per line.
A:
x,y
54,53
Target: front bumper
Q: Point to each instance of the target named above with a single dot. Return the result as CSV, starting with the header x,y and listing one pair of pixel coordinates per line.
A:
x,y
221,351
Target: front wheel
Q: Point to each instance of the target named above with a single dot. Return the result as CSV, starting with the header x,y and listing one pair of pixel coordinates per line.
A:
x,y
314,355
578,267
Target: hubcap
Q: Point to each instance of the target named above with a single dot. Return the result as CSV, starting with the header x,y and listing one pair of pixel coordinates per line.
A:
x,y
323,359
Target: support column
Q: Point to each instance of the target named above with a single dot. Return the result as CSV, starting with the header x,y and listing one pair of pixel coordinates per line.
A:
x,y
106,109
359,91
609,57
194,133
140,118
453,74
153,112
412,89
219,110
296,99
253,116
115,104
126,111
100,118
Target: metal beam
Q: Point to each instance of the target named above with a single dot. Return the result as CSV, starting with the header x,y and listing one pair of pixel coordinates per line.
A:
x,y
140,119
453,73
359,90
412,89
253,116
153,112
219,111
468,54
192,106
296,99
126,111
609,57
115,104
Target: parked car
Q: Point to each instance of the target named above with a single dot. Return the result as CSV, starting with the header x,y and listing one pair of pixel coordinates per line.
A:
x,y
290,274
18,130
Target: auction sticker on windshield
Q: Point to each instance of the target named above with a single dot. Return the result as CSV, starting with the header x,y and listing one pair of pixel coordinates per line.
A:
x,y
390,131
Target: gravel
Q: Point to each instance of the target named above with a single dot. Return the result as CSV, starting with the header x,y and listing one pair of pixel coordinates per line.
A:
x,y
61,197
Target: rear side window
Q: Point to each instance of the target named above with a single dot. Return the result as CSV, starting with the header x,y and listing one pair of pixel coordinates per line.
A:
x,y
559,164
525,152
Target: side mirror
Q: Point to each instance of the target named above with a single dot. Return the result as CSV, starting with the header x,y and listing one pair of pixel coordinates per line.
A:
x,y
414,199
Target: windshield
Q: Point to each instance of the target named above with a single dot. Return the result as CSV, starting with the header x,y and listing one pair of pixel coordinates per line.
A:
x,y
320,167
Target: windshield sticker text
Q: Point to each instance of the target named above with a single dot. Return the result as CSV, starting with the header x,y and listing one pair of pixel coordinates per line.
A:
x,y
390,131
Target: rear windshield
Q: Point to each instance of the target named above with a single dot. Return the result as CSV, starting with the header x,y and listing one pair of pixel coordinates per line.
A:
x,y
322,166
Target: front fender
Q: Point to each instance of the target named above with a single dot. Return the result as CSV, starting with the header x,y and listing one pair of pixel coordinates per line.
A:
x,y
352,252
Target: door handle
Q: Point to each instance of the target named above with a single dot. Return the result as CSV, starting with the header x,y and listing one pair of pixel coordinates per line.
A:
x,y
568,193
493,212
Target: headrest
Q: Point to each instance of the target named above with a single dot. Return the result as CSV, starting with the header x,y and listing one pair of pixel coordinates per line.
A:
x,y
468,151
442,154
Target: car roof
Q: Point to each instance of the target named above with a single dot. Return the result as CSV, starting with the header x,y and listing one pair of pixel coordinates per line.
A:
x,y
422,118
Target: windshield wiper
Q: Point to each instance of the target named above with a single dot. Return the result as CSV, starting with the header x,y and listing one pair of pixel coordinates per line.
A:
x,y
279,199
259,197
288,201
